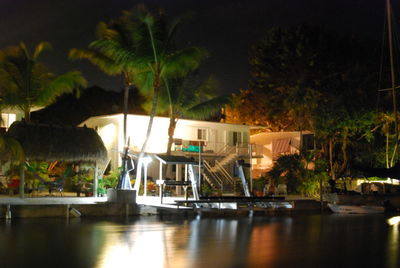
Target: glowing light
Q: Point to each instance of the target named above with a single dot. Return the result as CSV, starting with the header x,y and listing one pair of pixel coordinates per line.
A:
x,y
147,160
107,134
394,220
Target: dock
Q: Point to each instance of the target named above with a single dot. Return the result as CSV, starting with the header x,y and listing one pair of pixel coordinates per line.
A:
x,y
65,207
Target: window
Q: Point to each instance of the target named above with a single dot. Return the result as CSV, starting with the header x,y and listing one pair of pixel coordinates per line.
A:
x,y
202,134
237,138
308,141
234,138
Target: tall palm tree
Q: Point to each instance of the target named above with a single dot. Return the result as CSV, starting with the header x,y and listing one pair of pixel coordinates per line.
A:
x,y
153,62
166,63
185,98
121,34
26,82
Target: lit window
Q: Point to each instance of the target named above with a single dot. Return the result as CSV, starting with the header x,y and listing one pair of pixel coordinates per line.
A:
x,y
202,134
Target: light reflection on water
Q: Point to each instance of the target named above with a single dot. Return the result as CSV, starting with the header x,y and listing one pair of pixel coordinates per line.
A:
x,y
287,241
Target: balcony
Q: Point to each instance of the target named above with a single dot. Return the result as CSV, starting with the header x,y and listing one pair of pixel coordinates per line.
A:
x,y
217,148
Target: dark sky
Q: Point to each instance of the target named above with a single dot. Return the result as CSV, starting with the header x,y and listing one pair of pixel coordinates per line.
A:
x,y
227,28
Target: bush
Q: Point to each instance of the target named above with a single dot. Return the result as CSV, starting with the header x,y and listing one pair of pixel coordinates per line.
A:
x,y
259,184
292,170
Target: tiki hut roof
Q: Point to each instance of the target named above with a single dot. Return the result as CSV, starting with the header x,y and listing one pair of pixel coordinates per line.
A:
x,y
55,143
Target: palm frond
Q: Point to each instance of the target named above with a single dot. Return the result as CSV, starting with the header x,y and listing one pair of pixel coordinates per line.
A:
x,y
207,108
11,149
105,64
65,83
42,46
144,80
119,53
182,62
104,32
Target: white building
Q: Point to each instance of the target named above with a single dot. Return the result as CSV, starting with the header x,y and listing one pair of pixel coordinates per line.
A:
x,y
275,144
8,116
221,143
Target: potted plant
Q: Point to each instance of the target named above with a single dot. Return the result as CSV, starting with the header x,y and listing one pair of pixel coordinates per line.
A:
x,y
206,189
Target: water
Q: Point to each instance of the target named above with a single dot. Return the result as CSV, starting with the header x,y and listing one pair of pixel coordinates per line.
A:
x,y
284,241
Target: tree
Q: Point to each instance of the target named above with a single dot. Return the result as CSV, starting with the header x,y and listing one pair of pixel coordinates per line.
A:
x,y
147,56
118,50
187,99
165,63
26,82
310,78
117,34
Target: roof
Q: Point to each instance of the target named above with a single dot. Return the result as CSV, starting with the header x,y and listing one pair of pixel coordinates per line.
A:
x,y
54,143
175,159
120,115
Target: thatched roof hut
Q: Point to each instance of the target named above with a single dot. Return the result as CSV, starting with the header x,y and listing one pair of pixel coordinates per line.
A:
x,y
54,143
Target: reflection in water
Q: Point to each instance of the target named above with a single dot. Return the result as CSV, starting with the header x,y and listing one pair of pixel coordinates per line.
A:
x,y
393,246
306,241
143,246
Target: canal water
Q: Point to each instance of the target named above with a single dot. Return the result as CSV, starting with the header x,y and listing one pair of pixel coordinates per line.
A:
x,y
170,241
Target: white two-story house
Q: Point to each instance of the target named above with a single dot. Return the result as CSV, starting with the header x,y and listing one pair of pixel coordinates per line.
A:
x,y
218,144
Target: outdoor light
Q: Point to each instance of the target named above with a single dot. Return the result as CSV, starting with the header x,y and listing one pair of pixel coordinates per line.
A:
x,y
393,220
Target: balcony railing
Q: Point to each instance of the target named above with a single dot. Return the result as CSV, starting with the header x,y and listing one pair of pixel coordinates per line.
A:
x,y
218,148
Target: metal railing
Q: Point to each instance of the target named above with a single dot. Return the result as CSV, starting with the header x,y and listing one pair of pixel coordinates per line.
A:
x,y
220,148
216,178
224,172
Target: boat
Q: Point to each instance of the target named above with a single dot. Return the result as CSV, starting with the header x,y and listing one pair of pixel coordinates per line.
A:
x,y
354,209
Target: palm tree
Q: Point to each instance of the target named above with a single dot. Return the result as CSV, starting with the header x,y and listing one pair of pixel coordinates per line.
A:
x,y
153,62
186,98
121,34
26,82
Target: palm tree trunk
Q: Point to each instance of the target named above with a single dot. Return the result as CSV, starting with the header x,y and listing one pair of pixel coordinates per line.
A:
x,y
123,176
22,180
171,131
387,151
344,151
331,158
142,151
126,98
27,112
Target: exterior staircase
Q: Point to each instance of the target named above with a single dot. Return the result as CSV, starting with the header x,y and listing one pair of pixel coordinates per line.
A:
x,y
217,175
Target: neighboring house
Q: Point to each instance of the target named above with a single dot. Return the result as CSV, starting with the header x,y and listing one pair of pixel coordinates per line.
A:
x,y
221,144
275,144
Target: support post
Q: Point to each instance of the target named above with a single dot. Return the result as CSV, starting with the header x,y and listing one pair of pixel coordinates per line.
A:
x,y
251,167
95,180
199,183
178,189
145,179
22,181
161,185
186,179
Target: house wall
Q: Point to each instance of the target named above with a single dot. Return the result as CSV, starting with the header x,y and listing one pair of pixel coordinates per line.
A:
x,y
265,140
216,135
10,115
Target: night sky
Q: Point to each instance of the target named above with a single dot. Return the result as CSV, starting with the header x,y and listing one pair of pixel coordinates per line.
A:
x,y
227,28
